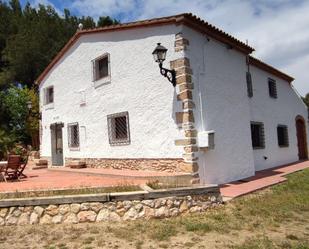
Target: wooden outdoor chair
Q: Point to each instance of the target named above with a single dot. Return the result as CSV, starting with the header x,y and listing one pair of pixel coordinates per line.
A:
x,y
13,165
22,167
2,171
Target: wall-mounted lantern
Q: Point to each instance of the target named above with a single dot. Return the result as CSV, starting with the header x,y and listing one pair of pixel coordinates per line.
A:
x,y
159,55
29,105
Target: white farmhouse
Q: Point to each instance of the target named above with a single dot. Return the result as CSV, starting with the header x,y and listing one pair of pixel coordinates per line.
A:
x,y
104,101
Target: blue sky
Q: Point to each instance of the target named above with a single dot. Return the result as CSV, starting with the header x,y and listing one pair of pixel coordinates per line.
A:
x,y
277,29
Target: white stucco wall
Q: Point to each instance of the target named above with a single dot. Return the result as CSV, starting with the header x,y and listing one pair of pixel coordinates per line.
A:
x,y
136,86
272,112
220,95
220,79
219,73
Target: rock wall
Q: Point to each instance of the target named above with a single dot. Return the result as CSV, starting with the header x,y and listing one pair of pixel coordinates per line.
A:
x,y
164,164
107,211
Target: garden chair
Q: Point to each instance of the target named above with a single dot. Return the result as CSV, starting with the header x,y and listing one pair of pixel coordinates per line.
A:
x,y
23,165
2,171
12,167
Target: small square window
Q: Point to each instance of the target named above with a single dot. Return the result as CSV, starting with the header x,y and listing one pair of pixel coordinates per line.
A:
x,y
101,67
73,135
249,85
257,135
272,87
118,128
283,137
49,95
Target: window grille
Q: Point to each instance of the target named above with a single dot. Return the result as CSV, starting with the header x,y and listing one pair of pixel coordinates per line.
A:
x,y
118,128
249,85
73,135
49,95
257,135
101,67
283,137
272,87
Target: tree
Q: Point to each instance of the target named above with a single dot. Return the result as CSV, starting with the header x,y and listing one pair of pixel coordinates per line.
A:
x,y
306,99
29,39
22,123
106,21
6,143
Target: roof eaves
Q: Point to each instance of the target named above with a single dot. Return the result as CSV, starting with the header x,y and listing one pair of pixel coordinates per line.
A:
x,y
186,18
204,27
270,69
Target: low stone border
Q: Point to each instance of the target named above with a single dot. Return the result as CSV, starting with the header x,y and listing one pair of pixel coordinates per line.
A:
x,y
181,178
108,207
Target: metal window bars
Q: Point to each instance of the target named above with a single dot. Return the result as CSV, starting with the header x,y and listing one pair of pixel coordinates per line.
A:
x,y
118,128
73,135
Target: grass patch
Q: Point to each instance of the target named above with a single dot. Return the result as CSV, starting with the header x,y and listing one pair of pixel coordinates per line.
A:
x,y
160,185
292,237
88,240
266,243
279,203
197,226
276,217
138,244
60,192
163,232
256,243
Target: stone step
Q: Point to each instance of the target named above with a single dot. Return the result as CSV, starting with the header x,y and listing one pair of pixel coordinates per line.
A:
x,y
40,162
39,167
31,165
77,164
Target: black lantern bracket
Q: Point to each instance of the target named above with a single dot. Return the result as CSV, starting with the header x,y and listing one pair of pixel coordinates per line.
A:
x,y
159,55
169,74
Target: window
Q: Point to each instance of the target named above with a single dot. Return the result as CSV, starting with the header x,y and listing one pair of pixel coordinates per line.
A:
x,y
48,95
283,137
257,135
249,85
272,87
73,135
118,128
101,67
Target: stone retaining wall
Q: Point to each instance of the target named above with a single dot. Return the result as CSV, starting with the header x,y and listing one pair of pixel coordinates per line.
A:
x,y
154,164
108,211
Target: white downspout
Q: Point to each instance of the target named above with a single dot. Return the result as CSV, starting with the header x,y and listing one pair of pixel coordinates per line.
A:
x,y
201,71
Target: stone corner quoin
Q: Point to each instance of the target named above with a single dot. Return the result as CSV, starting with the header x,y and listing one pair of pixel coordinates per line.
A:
x,y
185,119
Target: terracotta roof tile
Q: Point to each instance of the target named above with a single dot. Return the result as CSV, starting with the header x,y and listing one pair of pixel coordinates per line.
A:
x,y
186,18
262,65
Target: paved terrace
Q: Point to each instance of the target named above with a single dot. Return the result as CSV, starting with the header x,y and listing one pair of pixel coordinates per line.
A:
x,y
262,179
60,178
66,178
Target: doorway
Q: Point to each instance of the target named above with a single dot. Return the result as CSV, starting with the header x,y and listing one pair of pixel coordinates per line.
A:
x,y
56,144
301,138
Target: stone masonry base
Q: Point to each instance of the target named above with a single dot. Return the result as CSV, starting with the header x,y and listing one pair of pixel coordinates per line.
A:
x,y
170,165
107,211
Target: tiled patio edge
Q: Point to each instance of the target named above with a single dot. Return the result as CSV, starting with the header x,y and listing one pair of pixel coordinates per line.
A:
x,y
109,207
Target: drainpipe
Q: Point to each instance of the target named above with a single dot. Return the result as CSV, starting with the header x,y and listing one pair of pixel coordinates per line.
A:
x,y
201,71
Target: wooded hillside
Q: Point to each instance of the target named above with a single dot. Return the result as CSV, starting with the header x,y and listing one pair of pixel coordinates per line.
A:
x,y
29,39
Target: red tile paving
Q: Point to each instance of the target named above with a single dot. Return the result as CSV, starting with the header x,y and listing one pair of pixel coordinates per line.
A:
x,y
262,179
126,173
43,179
62,177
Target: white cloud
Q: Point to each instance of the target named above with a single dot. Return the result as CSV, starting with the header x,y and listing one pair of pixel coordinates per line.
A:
x,y
36,4
96,8
277,29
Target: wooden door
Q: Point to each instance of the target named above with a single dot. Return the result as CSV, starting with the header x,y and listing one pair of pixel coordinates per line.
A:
x,y
301,138
57,144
